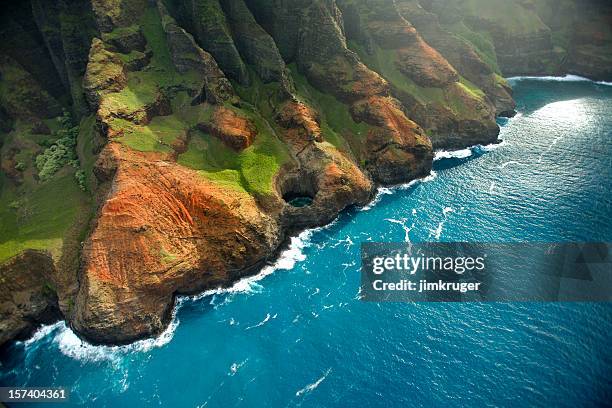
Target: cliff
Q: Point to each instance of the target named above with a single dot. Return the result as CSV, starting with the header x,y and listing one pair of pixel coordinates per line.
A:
x,y
154,148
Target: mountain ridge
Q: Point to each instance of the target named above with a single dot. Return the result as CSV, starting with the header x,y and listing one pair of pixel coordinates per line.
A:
x,y
199,121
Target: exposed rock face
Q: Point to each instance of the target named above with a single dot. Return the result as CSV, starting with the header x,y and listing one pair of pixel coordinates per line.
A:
x,y
28,297
332,180
163,230
234,130
255,45
452,114
209,117
188,56
117,13
105,73
208,23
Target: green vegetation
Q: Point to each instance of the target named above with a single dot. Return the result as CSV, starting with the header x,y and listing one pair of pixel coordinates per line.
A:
x,y
166,256
481,42
263,97
145,88
38,215
512,16
121,32
251,170
383,61
157,136
470,88
84,148
39,211
337,124
61,152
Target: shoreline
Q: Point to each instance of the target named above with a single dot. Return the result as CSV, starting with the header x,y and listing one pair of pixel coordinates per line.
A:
x,y
285,252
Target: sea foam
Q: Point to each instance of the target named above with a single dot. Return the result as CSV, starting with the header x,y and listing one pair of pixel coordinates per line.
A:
x,y
566,78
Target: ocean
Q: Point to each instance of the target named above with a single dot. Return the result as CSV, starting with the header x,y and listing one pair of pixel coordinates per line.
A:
x,y
298,334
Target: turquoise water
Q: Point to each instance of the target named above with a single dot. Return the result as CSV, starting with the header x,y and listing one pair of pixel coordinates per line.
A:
x,y
300,336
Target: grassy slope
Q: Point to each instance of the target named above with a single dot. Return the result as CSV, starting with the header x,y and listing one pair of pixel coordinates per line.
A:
x,y
38,215
337,124
383,62
250,170
509,15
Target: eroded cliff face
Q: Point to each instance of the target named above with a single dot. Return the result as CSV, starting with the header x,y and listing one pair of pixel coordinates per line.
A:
x,y
201,121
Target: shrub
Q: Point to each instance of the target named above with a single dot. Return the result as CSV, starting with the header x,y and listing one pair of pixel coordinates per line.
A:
x,y
61,152
81,179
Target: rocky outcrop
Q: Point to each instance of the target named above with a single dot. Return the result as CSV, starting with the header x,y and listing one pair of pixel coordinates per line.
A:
x,y
27,295
429,87
117,13
235,130
208,23
163,230
105,73
321,173
187,56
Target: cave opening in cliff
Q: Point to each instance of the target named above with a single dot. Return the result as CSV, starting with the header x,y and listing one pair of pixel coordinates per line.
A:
x,y
300,201
299,191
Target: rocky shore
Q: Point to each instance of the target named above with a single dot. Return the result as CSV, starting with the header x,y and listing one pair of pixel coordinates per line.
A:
x,y
202,121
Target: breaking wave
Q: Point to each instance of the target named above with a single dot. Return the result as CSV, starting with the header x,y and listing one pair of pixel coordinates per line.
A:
x,y
566,78
73,346
314,385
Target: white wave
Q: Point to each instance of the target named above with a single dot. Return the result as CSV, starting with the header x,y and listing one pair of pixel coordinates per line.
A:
x,y
506,164
236,366
566,78
379,195
286,261
402,222
453,154
72,346
492,146
264,321
316,291
314,385
437,233
431,176
43,332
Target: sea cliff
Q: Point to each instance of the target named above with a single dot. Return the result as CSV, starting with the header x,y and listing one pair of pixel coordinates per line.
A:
x,y
153,148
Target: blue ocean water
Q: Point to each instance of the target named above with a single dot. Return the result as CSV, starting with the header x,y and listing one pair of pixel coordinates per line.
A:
x,y
298,335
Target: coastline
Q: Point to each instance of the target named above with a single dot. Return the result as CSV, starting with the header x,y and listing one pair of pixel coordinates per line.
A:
x,y
283,258
287,254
